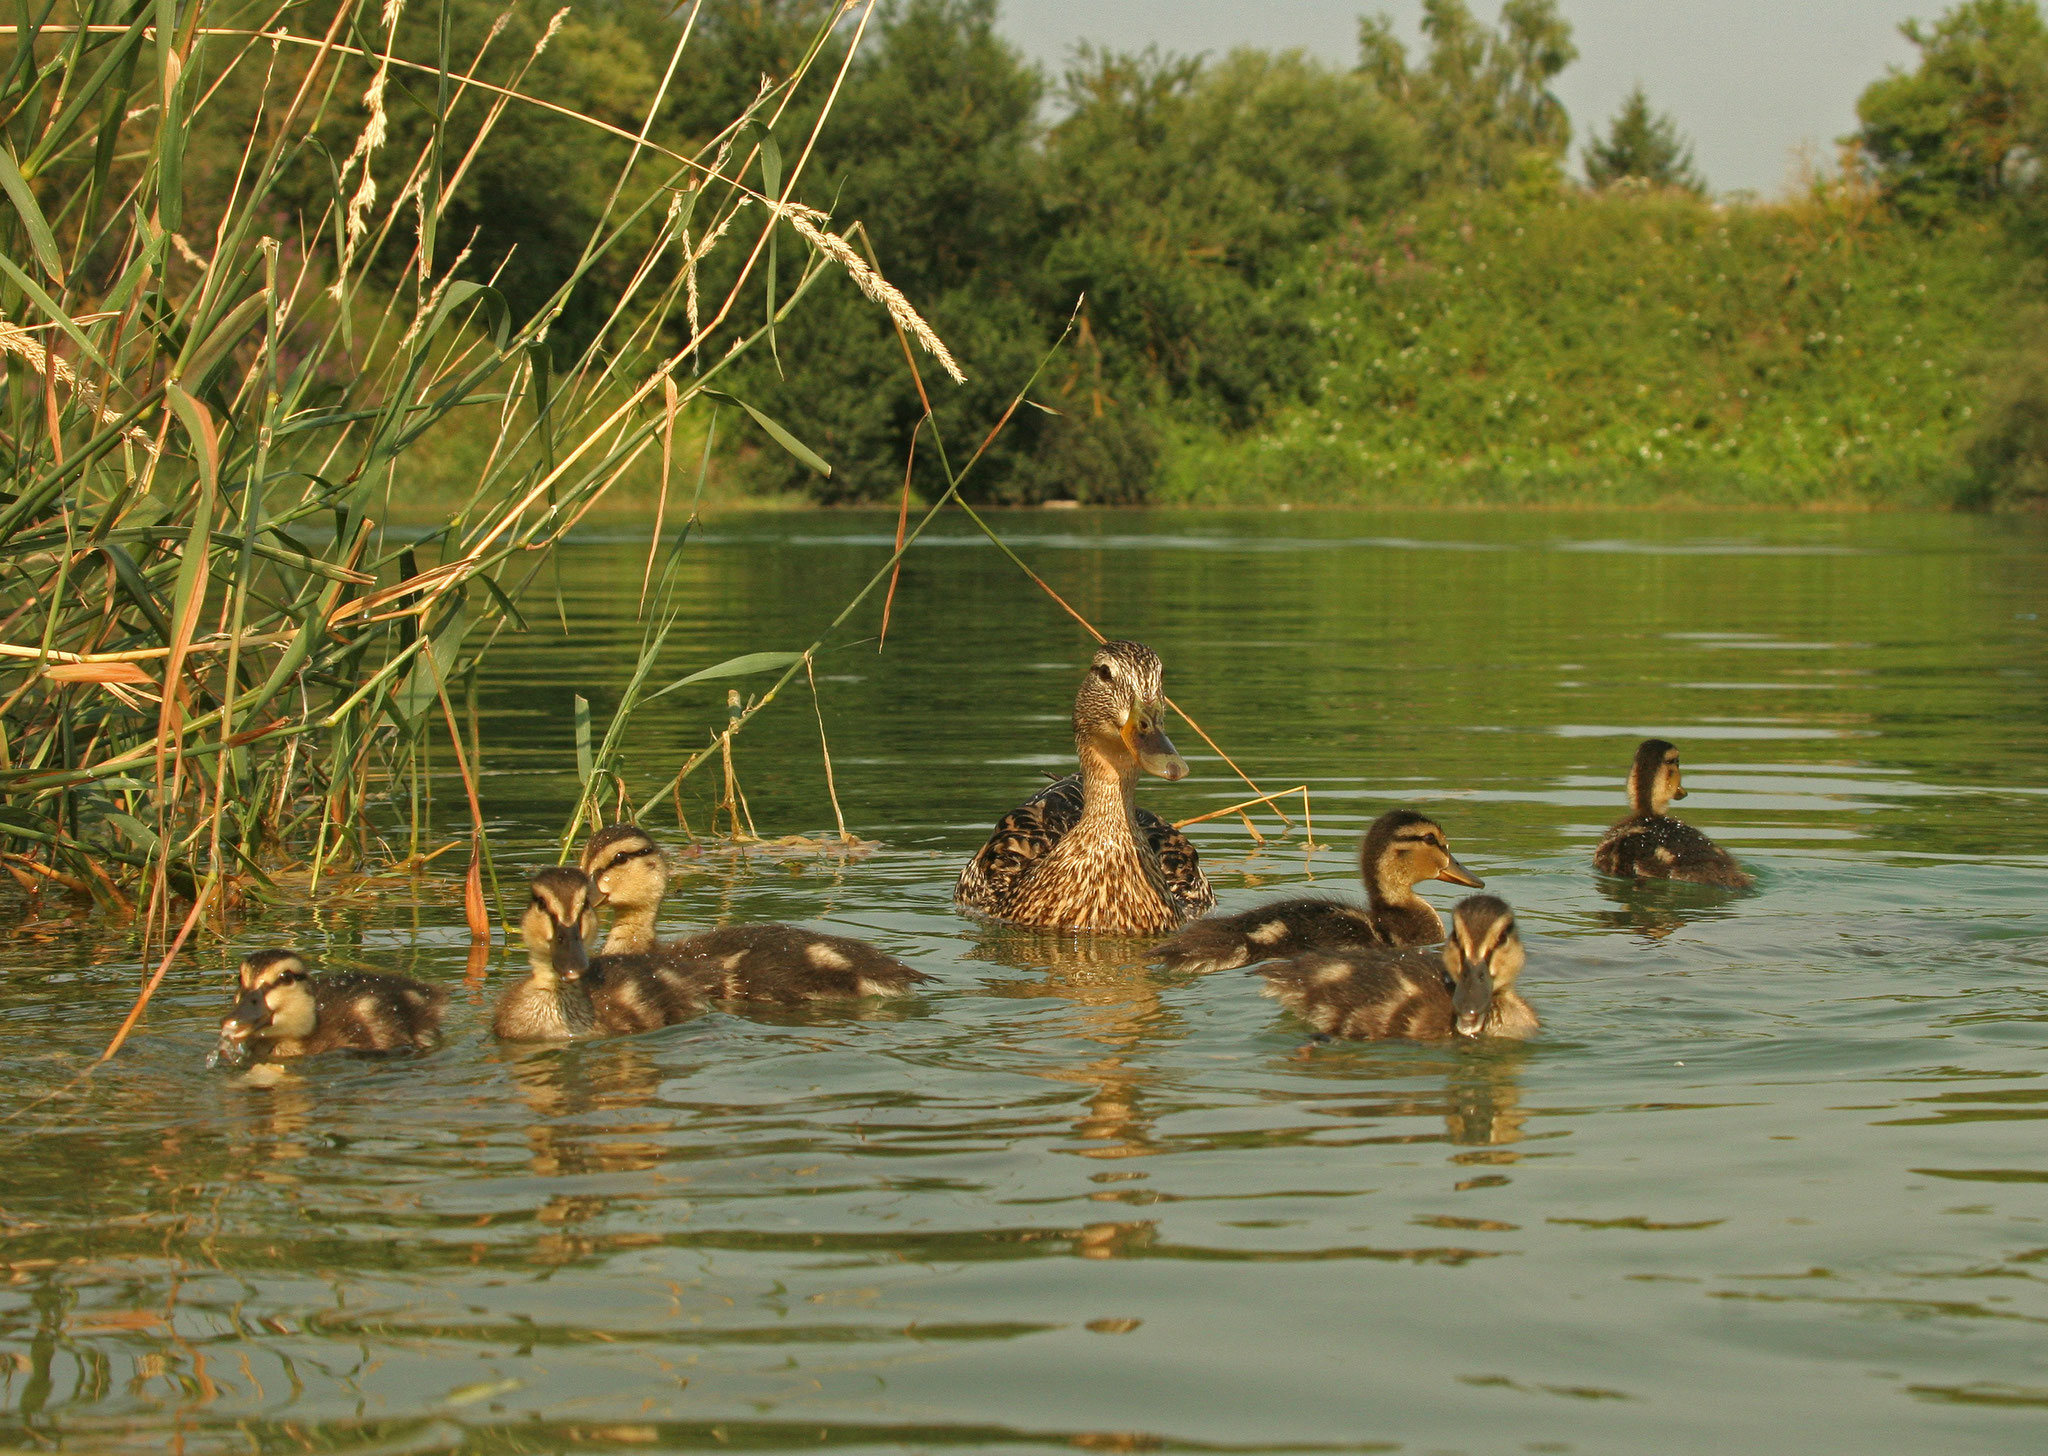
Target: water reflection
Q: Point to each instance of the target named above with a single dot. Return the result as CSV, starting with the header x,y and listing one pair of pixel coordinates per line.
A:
x,y
1116,1005
1655,909
1473,1089
1061,1200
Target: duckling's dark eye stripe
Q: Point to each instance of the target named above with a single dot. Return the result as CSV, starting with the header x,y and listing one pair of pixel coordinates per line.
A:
x,y
627,855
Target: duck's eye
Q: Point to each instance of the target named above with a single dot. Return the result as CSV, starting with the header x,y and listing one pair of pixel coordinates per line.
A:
x,y
1103,672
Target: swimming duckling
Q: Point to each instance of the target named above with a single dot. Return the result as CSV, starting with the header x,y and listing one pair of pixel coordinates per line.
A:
x,y
1412,994
567,992
780,963
553,1002
1080,854
1401,848
286,1011
1650,844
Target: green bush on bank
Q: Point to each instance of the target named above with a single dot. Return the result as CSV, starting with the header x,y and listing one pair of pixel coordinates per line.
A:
x,y
1631,346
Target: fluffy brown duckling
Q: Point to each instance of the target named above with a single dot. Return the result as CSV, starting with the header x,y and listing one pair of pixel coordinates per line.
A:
x,y
1080,854
1401,849
1650,844
286,1011
567,993
779,963
1412,994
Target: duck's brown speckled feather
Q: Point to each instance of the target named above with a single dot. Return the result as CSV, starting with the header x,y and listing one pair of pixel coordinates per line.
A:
x,y
997,877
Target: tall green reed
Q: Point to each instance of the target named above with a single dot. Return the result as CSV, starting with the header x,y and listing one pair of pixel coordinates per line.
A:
x,y
217,657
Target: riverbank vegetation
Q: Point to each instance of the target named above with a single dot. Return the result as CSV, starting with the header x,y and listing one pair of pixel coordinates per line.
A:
x,y
240,284
271,280
1388,284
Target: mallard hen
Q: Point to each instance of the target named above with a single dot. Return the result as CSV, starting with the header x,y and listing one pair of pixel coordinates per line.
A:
x,y
1080,854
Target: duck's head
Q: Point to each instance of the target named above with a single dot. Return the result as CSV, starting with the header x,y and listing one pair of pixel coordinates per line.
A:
x,y
276,999
1483,957
625,868
560,922
1121,710
1404,848
1653,780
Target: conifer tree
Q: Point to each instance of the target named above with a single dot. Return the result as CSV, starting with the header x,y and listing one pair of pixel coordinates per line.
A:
x,y
1642,146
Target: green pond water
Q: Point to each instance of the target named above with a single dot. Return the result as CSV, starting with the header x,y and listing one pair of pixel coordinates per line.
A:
x,y
1773,1178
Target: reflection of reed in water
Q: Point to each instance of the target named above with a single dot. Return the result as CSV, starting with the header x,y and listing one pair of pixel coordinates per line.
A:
x,y
1116,1003
1655,909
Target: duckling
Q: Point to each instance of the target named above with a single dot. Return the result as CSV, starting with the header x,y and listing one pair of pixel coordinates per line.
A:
x,y
1650,844
553,1002
286,1011
780,963
1080,854
1412,994
1401,848
567,992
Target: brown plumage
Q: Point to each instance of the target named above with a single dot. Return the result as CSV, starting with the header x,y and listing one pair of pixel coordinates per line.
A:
x,y
1080,854
779,963
1401,848
553,1002
1652,845
1412,994
286,1011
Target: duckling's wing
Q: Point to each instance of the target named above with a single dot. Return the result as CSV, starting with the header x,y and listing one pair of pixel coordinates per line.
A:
x,y
1270,932
1179,861
1023,838
1364,994
1660,847
366,1011
639,992
791,965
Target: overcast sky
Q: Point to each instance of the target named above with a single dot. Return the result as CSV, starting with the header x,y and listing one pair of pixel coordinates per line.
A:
x,y
1748,80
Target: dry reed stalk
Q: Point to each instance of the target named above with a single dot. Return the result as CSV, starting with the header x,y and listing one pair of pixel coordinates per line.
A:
x,y
47,362
806,219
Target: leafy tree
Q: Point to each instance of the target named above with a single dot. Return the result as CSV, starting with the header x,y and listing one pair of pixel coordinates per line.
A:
x,y
1481,97
1645,147
1178,191
929,149
1963,129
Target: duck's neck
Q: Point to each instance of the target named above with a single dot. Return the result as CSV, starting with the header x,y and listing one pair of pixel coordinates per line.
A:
x,y
1401,913
1109,808
632,931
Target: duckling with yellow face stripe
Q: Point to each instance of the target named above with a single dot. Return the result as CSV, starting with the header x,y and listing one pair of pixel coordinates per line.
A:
x,y
1652,845
1080,854
1465,990
568,993
786,964
1401,848
286,1011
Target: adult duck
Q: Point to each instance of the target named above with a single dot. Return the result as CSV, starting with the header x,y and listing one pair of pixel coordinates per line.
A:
x,y
1080,854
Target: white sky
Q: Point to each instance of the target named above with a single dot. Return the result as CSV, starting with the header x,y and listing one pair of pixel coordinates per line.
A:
x,y
1749,81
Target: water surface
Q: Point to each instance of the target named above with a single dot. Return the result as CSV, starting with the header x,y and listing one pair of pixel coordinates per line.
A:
x,y
1772,1178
